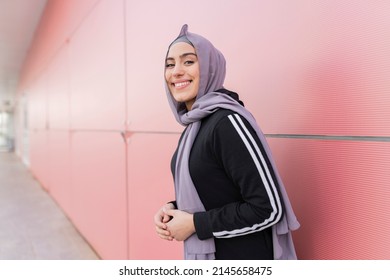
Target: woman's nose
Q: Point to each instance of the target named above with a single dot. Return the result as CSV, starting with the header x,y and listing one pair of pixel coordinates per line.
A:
x,y
178,71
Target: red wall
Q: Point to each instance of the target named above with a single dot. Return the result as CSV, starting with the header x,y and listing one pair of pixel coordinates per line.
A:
x,y
314,73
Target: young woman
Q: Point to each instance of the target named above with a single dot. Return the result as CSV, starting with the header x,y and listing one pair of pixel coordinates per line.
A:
x,y
230,201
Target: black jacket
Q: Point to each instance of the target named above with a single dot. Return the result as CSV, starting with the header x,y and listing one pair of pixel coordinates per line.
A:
x,y
231,172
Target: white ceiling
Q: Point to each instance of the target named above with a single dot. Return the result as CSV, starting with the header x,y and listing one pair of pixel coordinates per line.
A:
x,y
18,22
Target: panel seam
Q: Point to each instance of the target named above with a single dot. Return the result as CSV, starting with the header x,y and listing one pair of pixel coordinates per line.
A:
x,y
331,137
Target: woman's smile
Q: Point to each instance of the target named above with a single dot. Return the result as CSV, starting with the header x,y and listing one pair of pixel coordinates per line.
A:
x,y
181,85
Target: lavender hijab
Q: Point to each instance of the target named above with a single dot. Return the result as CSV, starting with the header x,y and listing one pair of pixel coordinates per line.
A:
x,y
212,75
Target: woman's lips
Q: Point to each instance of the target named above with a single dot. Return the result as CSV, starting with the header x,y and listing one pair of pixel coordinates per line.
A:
x,y
180,85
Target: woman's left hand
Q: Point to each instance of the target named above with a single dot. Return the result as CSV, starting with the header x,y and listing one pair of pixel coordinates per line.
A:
x,y
181,226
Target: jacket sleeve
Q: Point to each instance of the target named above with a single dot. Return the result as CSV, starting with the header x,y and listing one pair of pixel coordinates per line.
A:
x,y
242,155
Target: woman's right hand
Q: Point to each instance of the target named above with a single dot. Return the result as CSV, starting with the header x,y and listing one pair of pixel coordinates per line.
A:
x,y
160,220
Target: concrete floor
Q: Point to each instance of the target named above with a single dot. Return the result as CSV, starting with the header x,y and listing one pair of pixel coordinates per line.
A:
x,y
32,226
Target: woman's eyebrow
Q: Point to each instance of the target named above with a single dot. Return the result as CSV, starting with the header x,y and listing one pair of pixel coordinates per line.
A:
x,y
181,56
186,54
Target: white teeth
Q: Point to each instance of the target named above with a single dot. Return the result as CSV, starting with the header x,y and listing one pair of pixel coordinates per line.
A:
x,y
182,84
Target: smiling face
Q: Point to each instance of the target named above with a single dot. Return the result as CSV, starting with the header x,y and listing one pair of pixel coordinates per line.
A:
x,y
182,73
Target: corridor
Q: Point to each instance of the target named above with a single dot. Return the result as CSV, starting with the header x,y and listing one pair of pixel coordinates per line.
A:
x,y
32,226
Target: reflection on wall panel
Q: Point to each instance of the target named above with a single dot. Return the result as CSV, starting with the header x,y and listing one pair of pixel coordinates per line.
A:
x,y
340,191
58,168
99,191
150,186
97,69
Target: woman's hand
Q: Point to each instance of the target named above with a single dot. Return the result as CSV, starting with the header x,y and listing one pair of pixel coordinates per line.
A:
x,y
160,220
181,226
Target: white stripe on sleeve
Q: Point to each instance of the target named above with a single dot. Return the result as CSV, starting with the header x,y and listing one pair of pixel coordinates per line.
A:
x,y
266,177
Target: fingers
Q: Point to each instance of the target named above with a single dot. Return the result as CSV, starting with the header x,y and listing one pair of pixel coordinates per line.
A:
x,y
161,216
164,234
166,218
169,212
160,220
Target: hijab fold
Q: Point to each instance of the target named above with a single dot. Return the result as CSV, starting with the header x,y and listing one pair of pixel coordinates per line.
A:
x,y
211,97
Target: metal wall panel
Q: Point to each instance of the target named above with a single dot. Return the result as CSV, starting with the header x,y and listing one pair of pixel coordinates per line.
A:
x,y
59,21
99,206
38,104
58,91
97,69
150,186
340,191
58,169
39,157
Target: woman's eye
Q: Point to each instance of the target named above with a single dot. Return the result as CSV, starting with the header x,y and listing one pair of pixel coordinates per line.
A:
x,y
169,65
189,62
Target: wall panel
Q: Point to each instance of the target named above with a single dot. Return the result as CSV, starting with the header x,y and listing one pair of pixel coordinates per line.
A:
x,y
58,168
150,186
58,90
318,67
97,69
38,104
340,192
38,134
59,21
39,157
99,193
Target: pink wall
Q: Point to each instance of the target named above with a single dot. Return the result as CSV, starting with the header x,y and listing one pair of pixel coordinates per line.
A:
x,y
312,72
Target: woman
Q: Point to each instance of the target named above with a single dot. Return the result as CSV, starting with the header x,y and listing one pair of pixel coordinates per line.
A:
x,y
230,201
